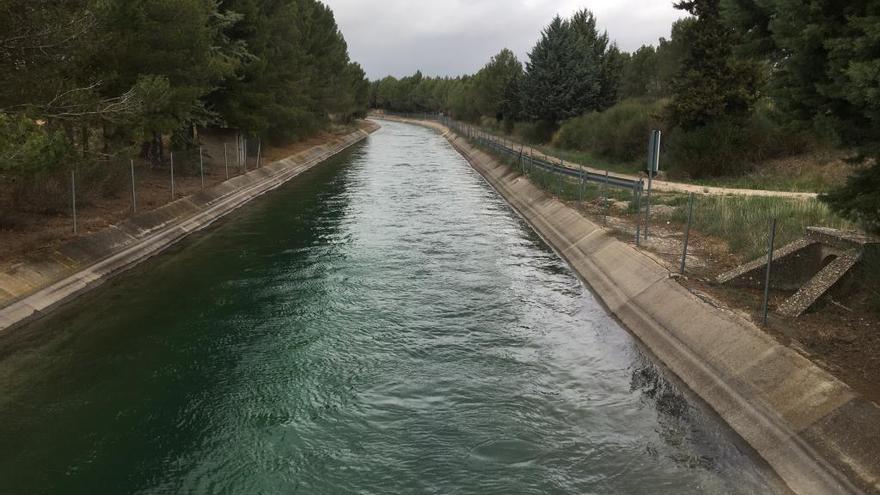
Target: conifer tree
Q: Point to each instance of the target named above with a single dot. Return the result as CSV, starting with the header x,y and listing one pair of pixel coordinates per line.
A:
x,y
825,60
712,84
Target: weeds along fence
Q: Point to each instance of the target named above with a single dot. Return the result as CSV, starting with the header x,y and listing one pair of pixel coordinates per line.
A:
x,y
699,234
112,183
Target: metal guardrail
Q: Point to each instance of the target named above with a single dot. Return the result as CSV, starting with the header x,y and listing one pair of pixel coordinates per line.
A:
x,y
500,146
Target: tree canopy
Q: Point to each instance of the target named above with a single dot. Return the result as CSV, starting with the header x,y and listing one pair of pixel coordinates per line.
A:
x,y
115,72
824,58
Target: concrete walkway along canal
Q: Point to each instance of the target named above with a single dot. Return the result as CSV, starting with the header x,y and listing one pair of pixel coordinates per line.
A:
x,y
383,324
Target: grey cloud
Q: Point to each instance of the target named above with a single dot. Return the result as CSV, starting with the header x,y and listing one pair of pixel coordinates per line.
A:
x,y
452,37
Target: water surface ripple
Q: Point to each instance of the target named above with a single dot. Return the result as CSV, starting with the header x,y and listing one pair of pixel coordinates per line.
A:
x,y
384,324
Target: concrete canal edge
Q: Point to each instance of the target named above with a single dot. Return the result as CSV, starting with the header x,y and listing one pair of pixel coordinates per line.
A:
x,y
816,433
48,279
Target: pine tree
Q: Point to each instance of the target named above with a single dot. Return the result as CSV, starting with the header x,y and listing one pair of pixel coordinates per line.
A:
x,y
493,84
572,70
548,92
825,60
712,84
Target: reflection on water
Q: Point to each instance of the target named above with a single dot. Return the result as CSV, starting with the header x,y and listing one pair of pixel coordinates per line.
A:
x,y
384,324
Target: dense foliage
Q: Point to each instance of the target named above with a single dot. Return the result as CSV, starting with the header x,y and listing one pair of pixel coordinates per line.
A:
x,y
91,77
738,82
825,59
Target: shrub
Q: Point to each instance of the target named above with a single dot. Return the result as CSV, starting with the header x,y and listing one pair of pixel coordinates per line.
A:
x,y
619,133
534,132
731,147
28,149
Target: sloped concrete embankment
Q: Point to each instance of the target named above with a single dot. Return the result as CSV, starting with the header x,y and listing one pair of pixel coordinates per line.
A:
x,y
813,430
48,278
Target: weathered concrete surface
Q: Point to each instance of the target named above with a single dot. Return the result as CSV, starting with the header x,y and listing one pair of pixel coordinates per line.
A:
x,y
824,260
812,429
49,278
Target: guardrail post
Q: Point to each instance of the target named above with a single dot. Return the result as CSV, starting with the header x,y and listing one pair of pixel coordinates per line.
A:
x,y
687,234
769,266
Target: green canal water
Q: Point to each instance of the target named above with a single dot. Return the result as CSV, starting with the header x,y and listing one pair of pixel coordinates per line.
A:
x,y
382,324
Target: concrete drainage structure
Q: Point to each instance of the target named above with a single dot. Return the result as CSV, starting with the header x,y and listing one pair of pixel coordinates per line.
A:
x,y
822,262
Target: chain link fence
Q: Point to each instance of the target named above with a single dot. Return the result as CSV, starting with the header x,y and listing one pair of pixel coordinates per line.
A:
x,y
99,190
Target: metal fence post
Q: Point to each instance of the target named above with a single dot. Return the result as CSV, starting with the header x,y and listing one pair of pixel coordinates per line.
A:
x,y
201,167
769,265
582,185
171,154
639,215
653,166
648,202
133,194
687,234
605,200
73,199
260,151
560,178
226,161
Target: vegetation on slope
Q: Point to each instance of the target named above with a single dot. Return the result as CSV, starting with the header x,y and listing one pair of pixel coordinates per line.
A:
x,y
739,83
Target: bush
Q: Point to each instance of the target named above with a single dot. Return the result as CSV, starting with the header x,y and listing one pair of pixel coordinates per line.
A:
x,y
619,133
534,132
28,149
731,147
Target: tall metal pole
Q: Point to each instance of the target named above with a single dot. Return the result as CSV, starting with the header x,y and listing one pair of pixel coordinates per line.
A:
x,y
687,234
73,199
172,176
202,167
133,194
769,265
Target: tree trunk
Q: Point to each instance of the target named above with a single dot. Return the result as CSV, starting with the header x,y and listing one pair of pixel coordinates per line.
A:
x,y
156,150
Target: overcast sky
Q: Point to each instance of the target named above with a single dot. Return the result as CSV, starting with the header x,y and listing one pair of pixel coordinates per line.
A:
x,y
453,37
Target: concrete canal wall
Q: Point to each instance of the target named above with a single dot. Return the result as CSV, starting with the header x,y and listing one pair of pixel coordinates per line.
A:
x,y
812,429
50,277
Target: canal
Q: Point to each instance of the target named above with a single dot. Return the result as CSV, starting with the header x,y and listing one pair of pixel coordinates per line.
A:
x,y
382,324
